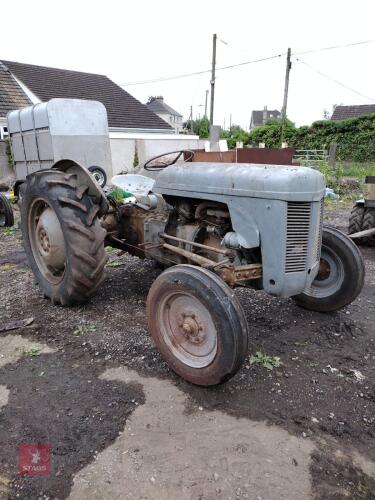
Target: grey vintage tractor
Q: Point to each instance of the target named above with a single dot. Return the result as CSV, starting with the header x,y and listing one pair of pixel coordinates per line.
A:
x,y
214,226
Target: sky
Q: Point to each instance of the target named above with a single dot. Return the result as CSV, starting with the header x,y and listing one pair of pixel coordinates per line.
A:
x,y
132,41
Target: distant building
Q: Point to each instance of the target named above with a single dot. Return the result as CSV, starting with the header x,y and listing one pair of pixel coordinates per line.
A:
x,y
259,118
168,114
345,112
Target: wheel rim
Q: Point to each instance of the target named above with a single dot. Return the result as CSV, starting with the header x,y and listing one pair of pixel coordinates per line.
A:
x,y
330,276
98,176
187,329
47,241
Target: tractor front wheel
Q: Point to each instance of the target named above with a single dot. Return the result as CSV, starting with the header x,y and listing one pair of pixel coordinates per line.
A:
x,y
197,324
340,277
62,236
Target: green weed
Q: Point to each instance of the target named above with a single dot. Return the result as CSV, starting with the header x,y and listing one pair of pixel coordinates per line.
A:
x,y
269,362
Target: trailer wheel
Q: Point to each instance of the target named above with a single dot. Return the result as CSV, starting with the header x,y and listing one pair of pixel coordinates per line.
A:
x,y
197,324
341,274
99,175
62,237
356,221
369,223
6,212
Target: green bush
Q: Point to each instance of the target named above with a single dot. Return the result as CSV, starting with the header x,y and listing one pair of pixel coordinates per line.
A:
x,y
355,137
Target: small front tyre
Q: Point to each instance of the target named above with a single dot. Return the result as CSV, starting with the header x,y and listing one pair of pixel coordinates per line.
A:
x,y
197,324
340,277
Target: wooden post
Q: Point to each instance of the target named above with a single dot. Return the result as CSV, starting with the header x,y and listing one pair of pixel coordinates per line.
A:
x,y
332,154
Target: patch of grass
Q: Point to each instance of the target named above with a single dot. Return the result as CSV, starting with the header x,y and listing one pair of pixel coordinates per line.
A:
x,y
84,329
269,362
29,353
5,268
8,231
115,263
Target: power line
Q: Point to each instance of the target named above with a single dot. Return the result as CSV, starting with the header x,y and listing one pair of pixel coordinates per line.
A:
x,y
195,73
333,47
334,80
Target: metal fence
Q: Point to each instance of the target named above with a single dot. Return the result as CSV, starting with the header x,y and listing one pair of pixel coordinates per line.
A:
x,y
311,157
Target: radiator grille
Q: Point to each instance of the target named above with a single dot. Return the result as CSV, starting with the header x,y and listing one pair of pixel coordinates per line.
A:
x,y
297,239
318,240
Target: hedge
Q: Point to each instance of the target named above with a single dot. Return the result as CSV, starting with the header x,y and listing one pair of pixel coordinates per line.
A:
x,y
355,137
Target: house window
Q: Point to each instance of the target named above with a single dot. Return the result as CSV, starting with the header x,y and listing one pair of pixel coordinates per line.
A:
x,y
3,132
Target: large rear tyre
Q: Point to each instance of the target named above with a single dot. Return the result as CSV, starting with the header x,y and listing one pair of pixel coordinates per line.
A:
x,y
62,237
197,324
6,212
369,223
340,277
356,221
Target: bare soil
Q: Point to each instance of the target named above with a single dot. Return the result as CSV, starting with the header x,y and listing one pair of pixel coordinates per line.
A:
x,y
323,392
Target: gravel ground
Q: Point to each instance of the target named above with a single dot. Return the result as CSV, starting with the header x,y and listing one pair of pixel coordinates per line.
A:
x,y
53,392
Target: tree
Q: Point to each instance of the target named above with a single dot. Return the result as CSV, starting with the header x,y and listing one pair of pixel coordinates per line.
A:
x,y
270,133
234,135
201,127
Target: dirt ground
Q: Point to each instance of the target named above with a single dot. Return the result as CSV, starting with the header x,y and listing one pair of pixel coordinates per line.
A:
x,y
88,382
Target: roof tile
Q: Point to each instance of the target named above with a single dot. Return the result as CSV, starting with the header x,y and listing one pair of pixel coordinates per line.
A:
x,y
124,111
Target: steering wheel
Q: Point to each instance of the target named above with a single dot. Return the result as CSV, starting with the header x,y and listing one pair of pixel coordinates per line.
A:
x,y
160,164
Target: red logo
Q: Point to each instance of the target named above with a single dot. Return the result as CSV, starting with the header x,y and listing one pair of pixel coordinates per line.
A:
x,y
34,459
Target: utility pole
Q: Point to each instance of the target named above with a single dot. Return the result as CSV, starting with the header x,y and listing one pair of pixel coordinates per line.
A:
x,y
191,119
213,79
285,101
230,121
205,104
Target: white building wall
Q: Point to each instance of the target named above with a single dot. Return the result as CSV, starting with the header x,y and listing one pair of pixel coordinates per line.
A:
x,y
172,120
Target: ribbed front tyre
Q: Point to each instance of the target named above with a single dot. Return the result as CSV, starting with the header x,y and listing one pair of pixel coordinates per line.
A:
x,y
198,325
340,277
62,236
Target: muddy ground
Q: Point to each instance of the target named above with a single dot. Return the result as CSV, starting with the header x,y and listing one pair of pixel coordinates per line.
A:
x,y
88,382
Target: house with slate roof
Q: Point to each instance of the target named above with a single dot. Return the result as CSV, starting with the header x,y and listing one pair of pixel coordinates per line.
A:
x,y
40,83
168,114
259,118
346,112
135,130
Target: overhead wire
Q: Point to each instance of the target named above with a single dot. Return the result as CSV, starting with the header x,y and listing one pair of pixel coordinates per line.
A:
x,y
333,79
195,73
244,63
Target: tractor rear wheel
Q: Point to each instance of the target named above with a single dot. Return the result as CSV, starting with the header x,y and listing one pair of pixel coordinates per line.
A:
x,y
62,237
356,222
340,277
197,324
6,212
369,223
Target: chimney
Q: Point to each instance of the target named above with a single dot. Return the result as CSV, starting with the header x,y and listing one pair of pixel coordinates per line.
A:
x,y
264,115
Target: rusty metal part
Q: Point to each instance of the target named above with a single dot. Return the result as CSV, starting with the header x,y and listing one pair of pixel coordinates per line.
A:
x,y
237,275
110,222
199,245
361,234
232,275
198,259
188,329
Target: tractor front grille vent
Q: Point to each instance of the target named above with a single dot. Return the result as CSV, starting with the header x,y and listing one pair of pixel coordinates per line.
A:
x,y
297,238
318,238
